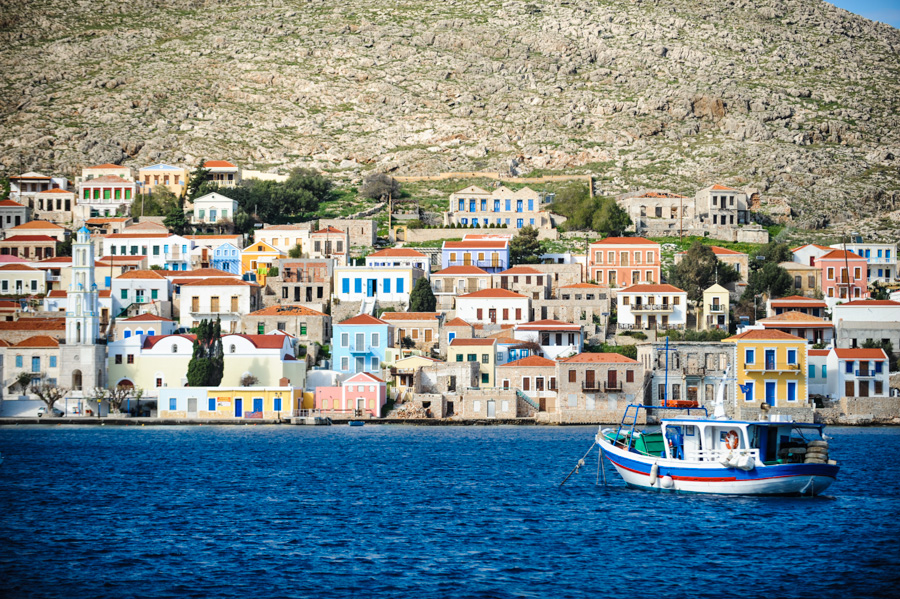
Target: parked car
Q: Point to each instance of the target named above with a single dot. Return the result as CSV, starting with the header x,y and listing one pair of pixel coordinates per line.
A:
x,y
42,411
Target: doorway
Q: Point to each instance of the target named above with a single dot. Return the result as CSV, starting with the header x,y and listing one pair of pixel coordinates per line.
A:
x,y
491,408
770,393
238,407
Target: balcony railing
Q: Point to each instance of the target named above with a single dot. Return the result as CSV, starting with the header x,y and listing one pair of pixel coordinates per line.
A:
x,y
717,308
360,349
617,386
650,327
591,387
695,370
772,367
635,308
865,374
483,264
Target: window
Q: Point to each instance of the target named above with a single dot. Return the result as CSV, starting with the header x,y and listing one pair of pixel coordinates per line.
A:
x,y
130,358
750,356
277,404
159,382
824,371
173,404
376,339
792,356
848,367
35,364
485,358
459,357
629,376
399,285
573,376
812,371
34,285
373,363
53,363
856,273
792,391
345,286
154,294
303,329
830,273
345,339
345,364
357,285
124,294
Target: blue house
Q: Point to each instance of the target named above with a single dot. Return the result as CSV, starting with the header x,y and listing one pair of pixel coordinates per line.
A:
x,y
359,344
226,257
487,252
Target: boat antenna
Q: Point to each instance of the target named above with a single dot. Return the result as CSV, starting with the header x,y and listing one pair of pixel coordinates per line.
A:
x,y
719,412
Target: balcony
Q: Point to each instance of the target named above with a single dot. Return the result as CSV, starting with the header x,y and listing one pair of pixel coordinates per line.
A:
x,y
716,308
591,387
865,374
875,260
788,368
641,308
360,349
694,371
482,264
609,387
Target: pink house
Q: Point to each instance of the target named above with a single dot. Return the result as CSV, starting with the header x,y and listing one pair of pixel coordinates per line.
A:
x,y
362,393
624,261
844,275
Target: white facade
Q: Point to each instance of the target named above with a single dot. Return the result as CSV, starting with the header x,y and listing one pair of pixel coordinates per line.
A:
x,y
139,287
385,284
817,375
807,254
226,299
881,259
214,207
557,339
285,237
858,373
169,252
651,307
400,257
494,306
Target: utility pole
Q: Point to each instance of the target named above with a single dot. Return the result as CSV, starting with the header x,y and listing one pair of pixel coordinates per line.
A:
x,y
681,219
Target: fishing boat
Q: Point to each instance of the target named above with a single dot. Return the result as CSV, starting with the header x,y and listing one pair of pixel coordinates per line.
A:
x,y
693,453
357,423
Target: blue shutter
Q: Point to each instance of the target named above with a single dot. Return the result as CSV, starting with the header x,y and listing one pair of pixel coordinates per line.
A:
x,y
399,285
878,366
507,205
18,361
530,205
849,367
812,371
53,362
277,404
173,404
824,371
387,285
357,285
108,281
345,285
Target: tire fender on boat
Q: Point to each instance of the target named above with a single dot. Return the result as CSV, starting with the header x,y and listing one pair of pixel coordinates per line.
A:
x,y
667,482
654,473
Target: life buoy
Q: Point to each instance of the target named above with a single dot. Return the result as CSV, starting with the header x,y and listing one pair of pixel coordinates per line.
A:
x,y
731,439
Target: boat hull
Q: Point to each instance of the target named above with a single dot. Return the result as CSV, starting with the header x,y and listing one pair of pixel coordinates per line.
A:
x,y
712,477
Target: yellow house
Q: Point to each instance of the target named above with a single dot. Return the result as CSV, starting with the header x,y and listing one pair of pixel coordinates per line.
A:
x,y
229,402
715,308
258,258
770,368
483,351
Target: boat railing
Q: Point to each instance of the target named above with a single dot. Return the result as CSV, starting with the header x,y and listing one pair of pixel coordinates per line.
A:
x,y
717,455
633,410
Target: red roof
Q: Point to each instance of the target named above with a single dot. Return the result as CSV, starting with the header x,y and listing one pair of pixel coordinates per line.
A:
x,y
328,229
529,361
218,164
397,253
461,270
280,310
799,299
57,190
818,352
36,224
815,245
718,187
362,375
106,179
38,341
151,340
148,318
58,293
494,293
457,322
363,319
765,335
625,241
521,270
548,325
471,342
840,255
861,353
218,281
29,239
106,165
582,286
652,288
137,235
410,315
599,358
108,219
867,303
34,324
196,273
660,194
140,274
262,341
489,244
10,204
18,267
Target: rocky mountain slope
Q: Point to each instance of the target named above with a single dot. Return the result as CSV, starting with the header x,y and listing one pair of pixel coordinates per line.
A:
x,y
794,97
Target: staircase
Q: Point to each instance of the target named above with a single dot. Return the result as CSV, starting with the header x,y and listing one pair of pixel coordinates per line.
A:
x,y
531,402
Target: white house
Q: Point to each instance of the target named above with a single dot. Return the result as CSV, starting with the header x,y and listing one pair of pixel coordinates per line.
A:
x,y
817,379
858,372
391,284
857,321
652,306
400,257
213,207
881,259
169,252
144,324
807,254
556,338
141,287
225,298
494,306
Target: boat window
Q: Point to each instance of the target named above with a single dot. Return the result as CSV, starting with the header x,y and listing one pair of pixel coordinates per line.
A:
x,y
688,431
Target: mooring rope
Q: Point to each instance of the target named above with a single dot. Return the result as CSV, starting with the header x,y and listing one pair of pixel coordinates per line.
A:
x,y
579,464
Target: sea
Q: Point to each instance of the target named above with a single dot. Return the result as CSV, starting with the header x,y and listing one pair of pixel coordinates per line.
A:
x,y
418,512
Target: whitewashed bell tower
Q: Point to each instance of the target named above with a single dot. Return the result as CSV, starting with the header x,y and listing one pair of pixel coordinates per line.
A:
x,y
83,355
83,310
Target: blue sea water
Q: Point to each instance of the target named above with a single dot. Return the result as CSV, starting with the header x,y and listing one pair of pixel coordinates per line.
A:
x,y
391,511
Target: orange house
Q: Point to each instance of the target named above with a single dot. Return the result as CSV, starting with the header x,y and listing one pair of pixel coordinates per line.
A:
x,y
844,275
624,261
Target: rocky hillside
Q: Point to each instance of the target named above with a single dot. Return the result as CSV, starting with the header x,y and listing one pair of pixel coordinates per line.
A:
x,y
794,97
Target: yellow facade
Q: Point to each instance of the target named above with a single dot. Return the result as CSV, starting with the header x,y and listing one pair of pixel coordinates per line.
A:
x,y
258,258
171,371
485,355
230,401
772,367
716,305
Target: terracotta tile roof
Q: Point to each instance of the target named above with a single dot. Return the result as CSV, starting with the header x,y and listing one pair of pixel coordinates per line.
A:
x,y
328,229
363,375
4,343
660,194
625,241
490,244
104,293
397,253
840,255
29,239
521,270
472,342
137,235
56,260
582,286
140,274
218,164
718,187
869,303
808,302
17,267
497,236
815,245
493,293
652,288
36,224
287,311
860,353
108,219
457,322
363,319
218,282
818,352
548,325
56,190
58,293
461,270
795,319
108,261
599,358
202,237
260,341
106,165
10,204
530,361
148,318
764,335
410,315
34,324
38,341
199,272
106,179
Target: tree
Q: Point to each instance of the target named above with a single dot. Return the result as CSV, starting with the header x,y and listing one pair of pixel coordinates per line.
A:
x,y
196,180
22,382
422,299
4,188
888,348
47,392
773,252
525,247
248,380
407,343
600,214
377,186
610,219
176,220
699,270
64,248
207,365
243,222
771,280
117,396
879,292
295,252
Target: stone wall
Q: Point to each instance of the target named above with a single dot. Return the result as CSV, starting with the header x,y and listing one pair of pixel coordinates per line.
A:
x,y
474,404
362,231
561,274
402,234
861,410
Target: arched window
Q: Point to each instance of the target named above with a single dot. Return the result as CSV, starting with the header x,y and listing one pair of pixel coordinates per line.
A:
x,y
78,332
174,348
139,332
233,348
76,380
127,334
151,332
